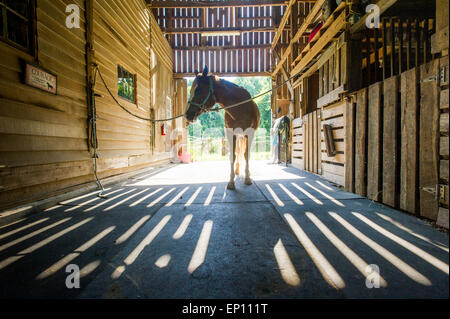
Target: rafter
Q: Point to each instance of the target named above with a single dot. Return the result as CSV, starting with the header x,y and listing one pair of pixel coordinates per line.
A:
x,y
217,30
214,4
222,48
282,25
301,32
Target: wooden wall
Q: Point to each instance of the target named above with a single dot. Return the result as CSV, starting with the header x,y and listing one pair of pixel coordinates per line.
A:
x,y
44,138
397,153
43,142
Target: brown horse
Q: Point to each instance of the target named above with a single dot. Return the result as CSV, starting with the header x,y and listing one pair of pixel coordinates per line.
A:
x,y
241,121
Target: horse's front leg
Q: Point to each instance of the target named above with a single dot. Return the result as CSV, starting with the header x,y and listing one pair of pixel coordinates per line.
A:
x,y
232,143
248,145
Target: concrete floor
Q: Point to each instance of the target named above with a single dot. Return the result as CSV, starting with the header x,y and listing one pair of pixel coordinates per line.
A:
x,y
179,233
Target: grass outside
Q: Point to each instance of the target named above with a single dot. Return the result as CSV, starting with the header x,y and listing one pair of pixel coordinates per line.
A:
x,y
216,149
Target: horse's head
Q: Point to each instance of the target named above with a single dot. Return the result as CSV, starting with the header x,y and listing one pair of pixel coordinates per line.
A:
x,y
202,95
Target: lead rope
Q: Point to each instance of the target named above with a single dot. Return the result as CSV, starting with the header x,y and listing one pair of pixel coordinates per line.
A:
x,y
183,114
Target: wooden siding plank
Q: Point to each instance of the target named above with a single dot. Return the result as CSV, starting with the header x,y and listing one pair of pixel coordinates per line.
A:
x,y
349,146
361,143
374,142
409,142
429,136
391,129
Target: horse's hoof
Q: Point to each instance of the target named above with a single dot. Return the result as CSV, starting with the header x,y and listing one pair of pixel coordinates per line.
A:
x,y
248,181
231,186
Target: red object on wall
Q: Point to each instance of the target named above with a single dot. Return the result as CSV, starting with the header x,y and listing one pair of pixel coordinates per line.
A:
x,y
313,33
163,129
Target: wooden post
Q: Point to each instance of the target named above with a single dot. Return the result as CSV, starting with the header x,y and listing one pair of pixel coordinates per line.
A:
x,y
409,44
349,146
384,49
368,70
392,22
429,140
409,188
377,56
361,143
400,49
417,43
375,142
391,129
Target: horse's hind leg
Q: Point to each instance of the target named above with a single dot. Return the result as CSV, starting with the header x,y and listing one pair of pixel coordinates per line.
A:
x,y
247,147
238,151
232,142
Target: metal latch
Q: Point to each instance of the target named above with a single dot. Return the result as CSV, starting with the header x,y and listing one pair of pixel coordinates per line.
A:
x,y
434,191
435,78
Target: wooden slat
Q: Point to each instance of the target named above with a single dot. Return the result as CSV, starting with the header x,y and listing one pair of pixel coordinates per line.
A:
x,y
374,142
283,22
361,143
429,135
409,142
335,178
391,156
324,39
301,31
349,147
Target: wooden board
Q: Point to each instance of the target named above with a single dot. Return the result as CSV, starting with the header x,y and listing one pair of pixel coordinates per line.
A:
x,y
429,137
391,129
409,141
349,146
361,143
374,142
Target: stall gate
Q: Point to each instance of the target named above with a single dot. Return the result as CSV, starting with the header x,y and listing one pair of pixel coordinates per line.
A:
x,y
306,143
400,152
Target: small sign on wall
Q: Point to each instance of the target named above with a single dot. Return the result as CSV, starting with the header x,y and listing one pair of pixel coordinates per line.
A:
x,y
40,79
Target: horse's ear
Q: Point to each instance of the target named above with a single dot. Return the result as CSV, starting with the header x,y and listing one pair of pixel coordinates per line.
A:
x,y
205,71
196,72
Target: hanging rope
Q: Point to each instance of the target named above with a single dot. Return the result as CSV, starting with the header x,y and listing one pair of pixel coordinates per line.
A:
x,y
93,137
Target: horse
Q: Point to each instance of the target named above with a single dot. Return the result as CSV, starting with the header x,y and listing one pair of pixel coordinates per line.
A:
x,y
241,121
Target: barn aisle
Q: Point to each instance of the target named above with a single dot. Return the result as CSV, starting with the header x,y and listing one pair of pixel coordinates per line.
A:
x,y
180,234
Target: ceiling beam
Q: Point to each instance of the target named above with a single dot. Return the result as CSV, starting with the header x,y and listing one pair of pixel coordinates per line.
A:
x,y
214,4
221,48
223,74
218,31
300,32
282,25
